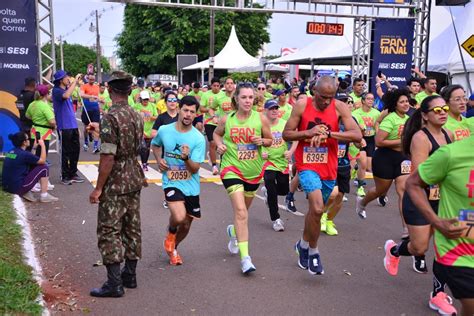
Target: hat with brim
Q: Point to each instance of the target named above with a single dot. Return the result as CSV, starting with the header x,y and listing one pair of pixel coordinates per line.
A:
x,y
120,80
59,75
270,104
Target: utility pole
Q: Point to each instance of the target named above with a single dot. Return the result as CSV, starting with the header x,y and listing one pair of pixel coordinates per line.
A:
x,y
61,51
211,44
99,67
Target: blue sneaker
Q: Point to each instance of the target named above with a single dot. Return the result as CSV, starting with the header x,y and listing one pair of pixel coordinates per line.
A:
x,y
315,266
303,256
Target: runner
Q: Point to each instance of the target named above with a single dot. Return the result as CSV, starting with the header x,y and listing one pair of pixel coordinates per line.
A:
x,y
104,99
455,97
209,103
315,125
224,104
149,114
451,167
294,92
414,86
389,163
90,97
358,87
366,117
284,111
239,137
183,148
429,88
197,93
276,175
260,98
422,136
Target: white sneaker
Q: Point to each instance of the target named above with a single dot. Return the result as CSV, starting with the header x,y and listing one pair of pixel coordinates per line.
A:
x,y
215,170
265,194
233,245
36,188
29,196
247,265
50,186
278,225
360,210
48,198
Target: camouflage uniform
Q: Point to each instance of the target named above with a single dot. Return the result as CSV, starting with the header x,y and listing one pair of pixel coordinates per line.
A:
x,y
118,225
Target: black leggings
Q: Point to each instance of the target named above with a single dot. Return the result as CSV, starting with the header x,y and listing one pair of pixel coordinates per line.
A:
x,y
145,150
276,183
70,149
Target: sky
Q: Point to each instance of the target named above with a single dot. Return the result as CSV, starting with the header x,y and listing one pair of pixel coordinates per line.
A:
x,y
286,30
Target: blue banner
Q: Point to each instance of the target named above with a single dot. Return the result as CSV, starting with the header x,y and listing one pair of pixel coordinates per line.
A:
x,y
392,50
18,60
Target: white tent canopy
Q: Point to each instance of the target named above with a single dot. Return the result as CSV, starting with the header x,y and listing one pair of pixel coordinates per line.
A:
x,y
258,66
444,55
233,55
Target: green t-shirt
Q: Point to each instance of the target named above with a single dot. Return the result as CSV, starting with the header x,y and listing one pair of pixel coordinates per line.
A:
x,y
107,101
276,153
210,100
40,113
131,102
135,92
367,120
420,96
149,114
355,98
268,96
452,167
461,129
284,111
198,95
224,106
393,124
243,159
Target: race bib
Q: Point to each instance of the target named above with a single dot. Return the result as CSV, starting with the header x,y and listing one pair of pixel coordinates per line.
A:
x,y
406,166
369,131
277,140
434,193
226,106
341,151
178,173
315,155
247,152
466,218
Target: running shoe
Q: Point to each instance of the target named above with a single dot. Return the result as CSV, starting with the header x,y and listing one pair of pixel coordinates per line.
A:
x,y
145,167
331,228
360,191
48,198
96,150
29,196
315,266
278,225
247,265
233,245
290,206
442,303
265,194
215,170
344,198
360,209
77,179
50,186
324,219
390,262
170,244
36,188
66,181
175,258
382,200
355,183
165,204
85,147
419,264
303,255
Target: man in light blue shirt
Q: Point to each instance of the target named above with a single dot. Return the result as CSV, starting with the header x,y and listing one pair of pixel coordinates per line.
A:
x,y
183,147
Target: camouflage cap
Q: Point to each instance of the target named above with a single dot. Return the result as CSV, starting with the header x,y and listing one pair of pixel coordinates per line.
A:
x,y
120,75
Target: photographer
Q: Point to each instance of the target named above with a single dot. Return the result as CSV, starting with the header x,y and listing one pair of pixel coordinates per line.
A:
x,y
22,170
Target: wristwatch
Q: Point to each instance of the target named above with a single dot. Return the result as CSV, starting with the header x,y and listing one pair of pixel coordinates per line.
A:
x,y
329,134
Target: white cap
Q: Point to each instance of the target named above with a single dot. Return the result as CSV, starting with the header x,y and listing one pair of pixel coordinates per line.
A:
x,y
144,95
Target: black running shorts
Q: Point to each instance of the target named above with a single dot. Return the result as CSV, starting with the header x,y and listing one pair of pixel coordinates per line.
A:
x,y
459,279
388,164
191,203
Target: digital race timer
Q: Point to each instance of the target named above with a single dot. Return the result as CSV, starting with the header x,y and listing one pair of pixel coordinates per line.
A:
x,y
325,28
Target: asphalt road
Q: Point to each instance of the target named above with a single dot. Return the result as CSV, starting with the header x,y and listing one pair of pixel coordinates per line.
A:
x,y
210,281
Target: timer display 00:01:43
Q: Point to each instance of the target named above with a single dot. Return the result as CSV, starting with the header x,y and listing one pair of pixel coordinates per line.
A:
x,y
320,28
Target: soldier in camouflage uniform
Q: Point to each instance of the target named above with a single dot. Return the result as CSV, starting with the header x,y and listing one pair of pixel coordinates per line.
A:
x,y
118,189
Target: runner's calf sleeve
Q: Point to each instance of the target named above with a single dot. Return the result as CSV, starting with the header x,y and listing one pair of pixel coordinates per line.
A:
x,y
401,249
172,230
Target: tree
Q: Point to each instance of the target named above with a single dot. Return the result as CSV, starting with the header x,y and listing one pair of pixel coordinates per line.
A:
x,y
76,58
153,36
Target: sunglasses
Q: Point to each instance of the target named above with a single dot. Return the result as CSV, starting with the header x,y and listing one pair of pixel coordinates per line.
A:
x,y
261,89
172,100
438,109
350,102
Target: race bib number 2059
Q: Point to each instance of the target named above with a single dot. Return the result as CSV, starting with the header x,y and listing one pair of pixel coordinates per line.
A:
x,y
178,173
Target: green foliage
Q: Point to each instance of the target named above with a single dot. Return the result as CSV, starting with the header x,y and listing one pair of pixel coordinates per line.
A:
x,y
76,58
18,290
241,77
153,36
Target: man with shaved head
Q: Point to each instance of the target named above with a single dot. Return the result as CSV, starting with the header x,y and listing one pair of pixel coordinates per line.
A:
x,y
314,123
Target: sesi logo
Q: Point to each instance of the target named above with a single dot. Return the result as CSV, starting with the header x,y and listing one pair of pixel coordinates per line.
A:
x,y
17,50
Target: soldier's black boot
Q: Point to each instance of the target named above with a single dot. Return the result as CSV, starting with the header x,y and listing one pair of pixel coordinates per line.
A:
x,y
113,286
129,276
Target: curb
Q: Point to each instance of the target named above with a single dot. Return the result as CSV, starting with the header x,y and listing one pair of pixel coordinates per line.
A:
x,y
29,248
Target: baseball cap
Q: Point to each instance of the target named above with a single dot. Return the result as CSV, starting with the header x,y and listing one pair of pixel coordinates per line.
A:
x,y
342,96
58,75
471,98
42,89
144,95
140,83
271,104
279,92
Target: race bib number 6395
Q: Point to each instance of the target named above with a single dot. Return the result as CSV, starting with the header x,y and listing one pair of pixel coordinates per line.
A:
x,y
315,155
